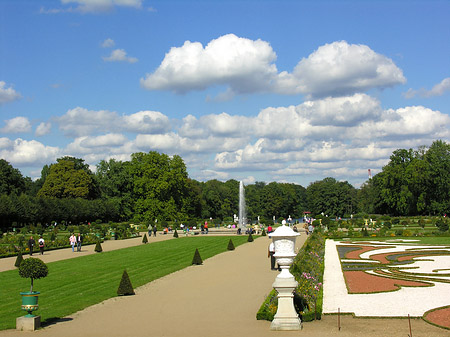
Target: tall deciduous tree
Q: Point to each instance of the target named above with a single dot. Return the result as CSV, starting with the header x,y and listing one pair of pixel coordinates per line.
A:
x,y
331,197
69,178
159,185
11,180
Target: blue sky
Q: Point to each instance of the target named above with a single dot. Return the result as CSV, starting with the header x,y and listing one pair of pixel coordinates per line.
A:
x,y
287,91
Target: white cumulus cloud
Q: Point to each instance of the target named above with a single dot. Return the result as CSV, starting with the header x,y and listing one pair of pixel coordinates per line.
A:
x,y
108,43
242,64
340,68
147,122
246,66
120,55
16,125
27,153
438,90
7,94
43,129
95,6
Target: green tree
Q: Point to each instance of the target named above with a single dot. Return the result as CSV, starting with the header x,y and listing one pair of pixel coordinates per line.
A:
x,y
438,180
11,180
68,179
159,186
331,197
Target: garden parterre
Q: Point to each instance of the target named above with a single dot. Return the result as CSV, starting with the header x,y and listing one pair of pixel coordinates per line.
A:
x,y
400,262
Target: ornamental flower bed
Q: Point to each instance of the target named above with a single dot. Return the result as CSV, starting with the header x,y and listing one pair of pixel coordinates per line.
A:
x,y
308,270
391,278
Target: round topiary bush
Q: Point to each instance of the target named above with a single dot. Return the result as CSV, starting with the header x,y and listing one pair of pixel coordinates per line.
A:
x,y
33,269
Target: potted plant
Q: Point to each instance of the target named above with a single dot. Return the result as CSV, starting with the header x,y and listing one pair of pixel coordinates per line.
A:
x,y
33,269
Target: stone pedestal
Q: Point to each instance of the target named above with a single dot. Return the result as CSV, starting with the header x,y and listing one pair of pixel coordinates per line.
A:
x,y
286,317
28,323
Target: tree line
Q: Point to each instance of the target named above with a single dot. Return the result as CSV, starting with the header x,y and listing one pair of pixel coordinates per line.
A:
x,y
154,186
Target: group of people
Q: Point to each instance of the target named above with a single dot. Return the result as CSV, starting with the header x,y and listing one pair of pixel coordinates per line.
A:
x,y
152,229
76,240
31,243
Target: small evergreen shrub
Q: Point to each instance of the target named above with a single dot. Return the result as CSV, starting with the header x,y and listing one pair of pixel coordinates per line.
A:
x,y
263,232
19,259
125,286
250,238
98,247
144,239
230,245
175,234
197,258
441,225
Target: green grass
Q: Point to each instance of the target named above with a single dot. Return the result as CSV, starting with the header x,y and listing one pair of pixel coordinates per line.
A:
x,y
75,284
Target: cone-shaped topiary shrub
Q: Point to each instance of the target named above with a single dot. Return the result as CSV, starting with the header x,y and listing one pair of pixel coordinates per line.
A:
x,y
125,286
175,234
230,245
19,259
98,247
197,258
250,238
263,233
144,239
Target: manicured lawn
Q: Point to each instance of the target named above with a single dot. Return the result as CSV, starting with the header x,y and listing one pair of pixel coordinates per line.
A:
x,y
75,284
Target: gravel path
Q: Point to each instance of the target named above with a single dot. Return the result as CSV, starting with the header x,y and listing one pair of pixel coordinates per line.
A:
x,y
219,298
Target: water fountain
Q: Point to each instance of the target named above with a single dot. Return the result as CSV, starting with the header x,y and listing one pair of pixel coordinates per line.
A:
x,y
242,215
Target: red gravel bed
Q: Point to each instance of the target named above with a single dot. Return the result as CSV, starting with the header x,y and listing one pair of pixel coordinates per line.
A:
x,y
361,282
355,254
439,317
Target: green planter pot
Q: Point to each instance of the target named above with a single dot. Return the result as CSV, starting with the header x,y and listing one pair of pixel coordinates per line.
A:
x,y
30,302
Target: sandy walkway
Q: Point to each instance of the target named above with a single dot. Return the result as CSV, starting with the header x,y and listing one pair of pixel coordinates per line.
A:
x,y
219,298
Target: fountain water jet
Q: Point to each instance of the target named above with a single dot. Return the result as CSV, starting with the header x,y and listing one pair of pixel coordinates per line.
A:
x,y
242,213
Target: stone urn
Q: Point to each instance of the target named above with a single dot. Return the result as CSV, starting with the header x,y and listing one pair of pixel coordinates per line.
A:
x,y
286,317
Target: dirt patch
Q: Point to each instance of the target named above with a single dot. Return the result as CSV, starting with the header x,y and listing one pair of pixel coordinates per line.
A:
x,y
439,317
359,282
355,255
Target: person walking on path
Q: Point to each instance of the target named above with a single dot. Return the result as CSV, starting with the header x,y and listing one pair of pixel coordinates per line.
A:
x,y
41,245
31,243
73,241
270,254
149,230
79,241
154,230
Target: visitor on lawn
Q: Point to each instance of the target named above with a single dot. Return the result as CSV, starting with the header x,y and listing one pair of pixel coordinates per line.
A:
x,y
154,230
